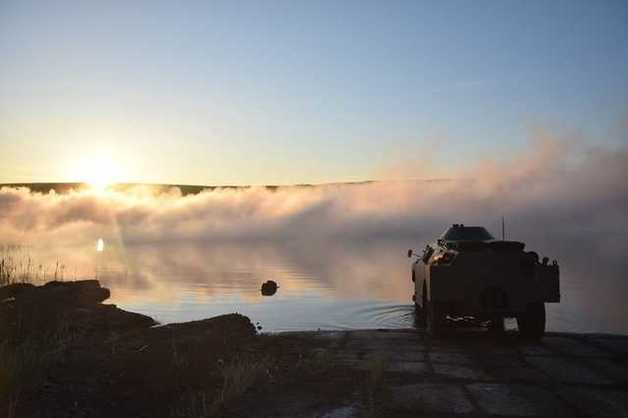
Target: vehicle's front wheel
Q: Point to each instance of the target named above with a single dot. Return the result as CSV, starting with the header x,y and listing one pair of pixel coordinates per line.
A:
x,y
531,323
434,317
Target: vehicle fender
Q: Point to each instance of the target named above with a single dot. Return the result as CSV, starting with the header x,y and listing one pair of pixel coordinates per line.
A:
x,y
548,277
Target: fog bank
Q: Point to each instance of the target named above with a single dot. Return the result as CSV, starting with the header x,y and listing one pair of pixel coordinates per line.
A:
x,y
553,191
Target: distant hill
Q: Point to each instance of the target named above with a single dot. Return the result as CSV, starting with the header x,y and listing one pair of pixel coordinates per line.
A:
x,y
186,189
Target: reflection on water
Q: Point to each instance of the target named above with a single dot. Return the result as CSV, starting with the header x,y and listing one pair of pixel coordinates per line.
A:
x,y
326,285
320,285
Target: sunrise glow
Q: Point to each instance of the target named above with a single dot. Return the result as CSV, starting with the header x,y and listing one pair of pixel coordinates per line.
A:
x,y
98,172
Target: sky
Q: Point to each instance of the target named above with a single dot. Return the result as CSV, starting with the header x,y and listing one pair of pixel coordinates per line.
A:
x,y
283,92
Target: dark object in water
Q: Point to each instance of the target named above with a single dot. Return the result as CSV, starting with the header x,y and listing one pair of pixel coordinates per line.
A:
x,y
269,288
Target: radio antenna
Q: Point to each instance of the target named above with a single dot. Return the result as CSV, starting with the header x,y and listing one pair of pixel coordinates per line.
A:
x,y
503,230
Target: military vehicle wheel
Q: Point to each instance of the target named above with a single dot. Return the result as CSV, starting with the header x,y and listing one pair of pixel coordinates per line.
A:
x,y
532,322
434,318
421,311
497,324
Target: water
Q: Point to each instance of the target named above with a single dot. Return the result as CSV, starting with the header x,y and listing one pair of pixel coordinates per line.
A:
x,y
323,285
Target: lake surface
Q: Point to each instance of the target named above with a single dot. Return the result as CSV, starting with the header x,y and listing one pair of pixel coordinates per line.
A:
x,y
323,285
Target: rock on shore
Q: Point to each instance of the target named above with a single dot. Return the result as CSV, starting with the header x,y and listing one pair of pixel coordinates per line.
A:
x,y
63,353
34,311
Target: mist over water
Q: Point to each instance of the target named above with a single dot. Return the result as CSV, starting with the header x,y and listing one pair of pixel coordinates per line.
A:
x,y
337,251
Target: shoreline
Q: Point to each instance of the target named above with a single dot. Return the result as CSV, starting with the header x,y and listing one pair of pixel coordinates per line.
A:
x,y
65,353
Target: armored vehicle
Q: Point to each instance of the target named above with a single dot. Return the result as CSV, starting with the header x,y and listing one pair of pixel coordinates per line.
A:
x,y
467,272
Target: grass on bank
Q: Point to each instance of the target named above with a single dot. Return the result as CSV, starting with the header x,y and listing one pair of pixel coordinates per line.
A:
x,y
24,355
23,363
17,266
239,375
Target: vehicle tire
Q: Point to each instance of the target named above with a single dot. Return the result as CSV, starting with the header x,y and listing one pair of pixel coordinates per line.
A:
x,y
434,318
531,323
497,324
421,311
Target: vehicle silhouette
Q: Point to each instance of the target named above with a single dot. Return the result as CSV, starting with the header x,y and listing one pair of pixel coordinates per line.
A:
x,y
466,272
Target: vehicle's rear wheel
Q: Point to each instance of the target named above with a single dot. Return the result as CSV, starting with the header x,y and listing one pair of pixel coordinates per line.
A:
x,y
434,317
421,311
497,324
531,323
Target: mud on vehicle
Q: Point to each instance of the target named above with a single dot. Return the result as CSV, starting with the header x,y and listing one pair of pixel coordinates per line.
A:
x,y
466,272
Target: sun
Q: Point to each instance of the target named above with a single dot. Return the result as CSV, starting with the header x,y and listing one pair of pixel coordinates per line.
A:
x,y
97,171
